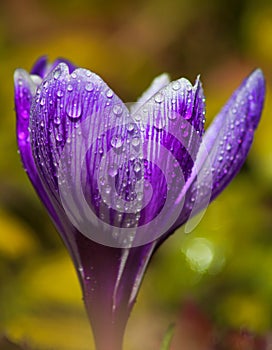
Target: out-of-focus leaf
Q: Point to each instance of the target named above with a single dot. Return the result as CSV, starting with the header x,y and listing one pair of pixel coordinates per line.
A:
x,y
166,343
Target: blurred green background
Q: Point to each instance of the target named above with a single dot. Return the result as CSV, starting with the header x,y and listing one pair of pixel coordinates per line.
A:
x,y
224,266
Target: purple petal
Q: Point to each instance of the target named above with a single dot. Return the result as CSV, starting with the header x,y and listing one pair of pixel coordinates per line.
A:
x,y
25,89
225,145
72,115
39,67
171,126
42,68
70,65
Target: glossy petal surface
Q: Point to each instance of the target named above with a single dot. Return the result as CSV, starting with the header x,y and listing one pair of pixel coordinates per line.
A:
x,y
226,144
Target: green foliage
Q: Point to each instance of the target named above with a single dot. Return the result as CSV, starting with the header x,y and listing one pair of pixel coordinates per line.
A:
x,y
166,343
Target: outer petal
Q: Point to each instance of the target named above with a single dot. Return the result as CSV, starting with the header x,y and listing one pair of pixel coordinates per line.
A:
x,y
84,112
225,145
42,68
24,91
39,67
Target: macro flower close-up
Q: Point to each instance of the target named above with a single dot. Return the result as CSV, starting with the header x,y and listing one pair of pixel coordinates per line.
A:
x,y
118,179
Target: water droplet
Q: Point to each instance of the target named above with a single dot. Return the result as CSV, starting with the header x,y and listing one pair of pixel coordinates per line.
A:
x,y
45,84
89,87
137,167
159,122
58,137
57,120
42,124
109,93
117,110
107,189
22,135
24,114
74,109
172,115
73,75
228,148
59,93
176,85
42,101
70,87
138,117
116,141
130,127
113,170
102,180
56,74
135,141
159,98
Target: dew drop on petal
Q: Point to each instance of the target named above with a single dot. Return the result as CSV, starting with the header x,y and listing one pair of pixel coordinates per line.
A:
x,y
59,93
116,142
74,109
137,167
89,87
159,122
172,115
24,114
159,98
58,137
57,120
22,135
228,148
135,141
113,170
42,101
130,127
56,74
107,189
176,85
45,84
117,110
138,117
70,87
109,93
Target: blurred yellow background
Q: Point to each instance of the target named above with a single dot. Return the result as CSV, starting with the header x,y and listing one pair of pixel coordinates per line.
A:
x,y
225,265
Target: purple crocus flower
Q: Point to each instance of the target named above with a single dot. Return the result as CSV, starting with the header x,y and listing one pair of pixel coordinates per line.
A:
x,y
117,180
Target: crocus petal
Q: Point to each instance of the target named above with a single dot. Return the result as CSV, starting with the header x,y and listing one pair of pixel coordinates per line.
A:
x,y
225,145
25,89
42,68
39,67
171,125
